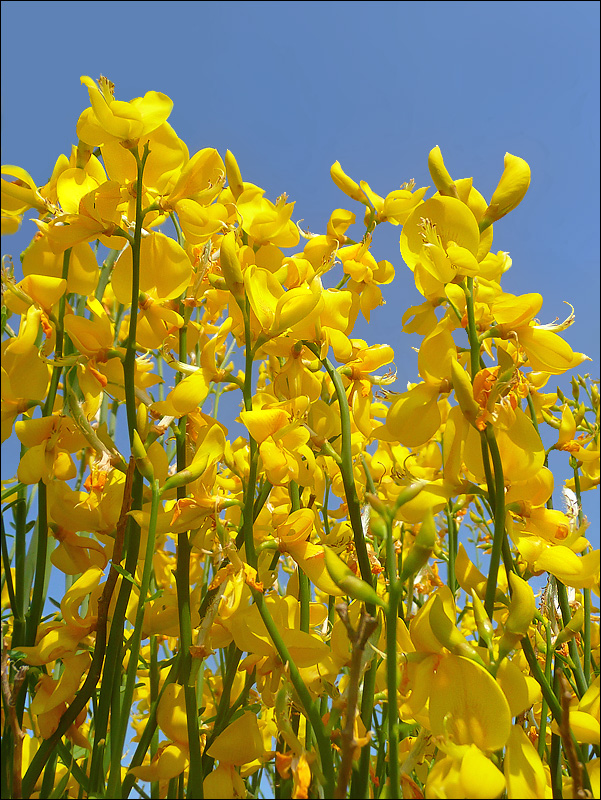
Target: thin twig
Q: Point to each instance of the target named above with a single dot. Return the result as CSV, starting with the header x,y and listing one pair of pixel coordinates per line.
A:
x,y
566,738
9,699
91,681
358,638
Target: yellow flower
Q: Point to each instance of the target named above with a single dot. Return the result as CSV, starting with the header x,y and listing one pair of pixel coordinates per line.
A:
x,y
164,268
441,238
546,351
109,119
524,772
49,441
82,277
511,190
98,217
282,444
17,196
465,772
265,221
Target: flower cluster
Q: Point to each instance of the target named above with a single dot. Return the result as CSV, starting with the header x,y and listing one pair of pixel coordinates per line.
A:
x,y
301,608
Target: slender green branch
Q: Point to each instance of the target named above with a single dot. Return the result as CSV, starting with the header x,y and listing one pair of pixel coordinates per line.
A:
x,y
311,710
394,596
346,469
119,731
499,529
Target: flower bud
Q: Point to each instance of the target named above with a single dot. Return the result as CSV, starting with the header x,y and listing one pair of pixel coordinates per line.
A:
x,y
346,579
230,266
483,624
448,634
409,493
575,389
210,447
464,393
346,184
143,463
375,502
234,178
422,548
440,176
510,192
571,629
522,608
217,281
142,420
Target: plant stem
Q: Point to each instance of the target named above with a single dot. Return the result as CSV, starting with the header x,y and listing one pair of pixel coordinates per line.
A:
x,y
394,596
499,529
311,710
348,478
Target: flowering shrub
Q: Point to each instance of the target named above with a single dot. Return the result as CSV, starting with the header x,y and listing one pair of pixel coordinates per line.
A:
x,y
246,614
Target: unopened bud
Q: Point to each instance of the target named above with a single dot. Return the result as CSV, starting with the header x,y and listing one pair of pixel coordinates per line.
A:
x,y
571,629
448,634
376,503
579,415
143,463
483,624
422,548
142,421
346,580
230,266
217,281
464,393
234,178
409,493
522,606
191,473
440,176
575,389
510,191
522,609
346,184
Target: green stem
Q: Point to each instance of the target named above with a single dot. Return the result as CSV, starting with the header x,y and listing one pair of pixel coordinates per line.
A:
x,y
499,529
566,615
129,364
452,544
394,596
586,593
471,328
119,731
542,731
105,273
38,596
154,694
58,347
555,755
245,534
496,484
348,478
115,641
541,679
304,589
223,713
36,608
360,779
149,731
311,710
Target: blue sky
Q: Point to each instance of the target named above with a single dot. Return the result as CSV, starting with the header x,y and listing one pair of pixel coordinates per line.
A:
x,y
291,87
